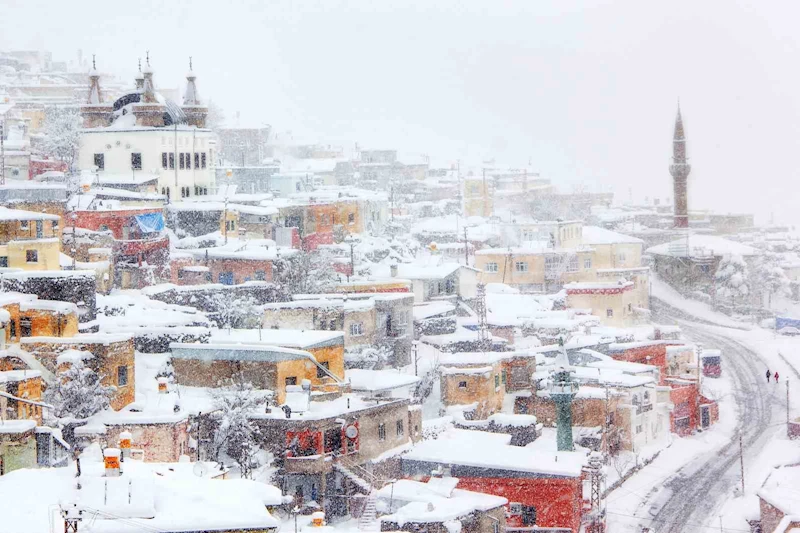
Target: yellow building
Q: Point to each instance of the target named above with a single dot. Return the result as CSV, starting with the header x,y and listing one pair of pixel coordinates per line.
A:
x,y
562,252
478,195
480,384
615,303
29,240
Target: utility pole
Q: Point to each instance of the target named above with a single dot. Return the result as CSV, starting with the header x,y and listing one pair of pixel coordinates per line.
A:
x,y
741,459
2,153
228,174
415,346
699,385
787,405
466,246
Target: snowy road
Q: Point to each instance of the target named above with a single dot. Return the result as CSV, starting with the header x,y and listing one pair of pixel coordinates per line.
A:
x,y
698,490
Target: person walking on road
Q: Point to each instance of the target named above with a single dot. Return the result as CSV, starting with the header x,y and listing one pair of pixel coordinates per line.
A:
x,y
769,375
776,376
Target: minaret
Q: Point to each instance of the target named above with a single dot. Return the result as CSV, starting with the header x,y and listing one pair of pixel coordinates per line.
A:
x,y
139,78
149,111
95,113
680,172
195,112
563,389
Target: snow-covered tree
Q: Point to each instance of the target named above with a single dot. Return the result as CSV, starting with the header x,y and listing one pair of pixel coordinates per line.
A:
x,y
732,279
305,272
771,278
77,393
61,129
236,436
235,310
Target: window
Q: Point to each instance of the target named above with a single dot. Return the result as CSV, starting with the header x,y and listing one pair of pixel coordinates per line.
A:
x,y
323,324
621,257
188,160
100,161
196,160
291,380
572,265
203,160
521,266
491,267
587,263
25,328
609,313
356,329
382,432
351,218
639,428
4,261
321,370
164,160
462,385
504,377
332,325
528,515
182,161
54,225
32,256
260,275
172,161
400,429
24,225
136,161
497,381
122,376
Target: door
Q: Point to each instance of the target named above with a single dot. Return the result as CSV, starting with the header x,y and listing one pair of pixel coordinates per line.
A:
x,y
226,278
705,417
39,229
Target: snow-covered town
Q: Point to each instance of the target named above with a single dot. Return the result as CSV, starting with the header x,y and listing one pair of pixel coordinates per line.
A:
x,y
211,323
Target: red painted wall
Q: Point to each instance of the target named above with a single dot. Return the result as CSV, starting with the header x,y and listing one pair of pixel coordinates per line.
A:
x,y
40,166
684,398
654,354
114,220
558,501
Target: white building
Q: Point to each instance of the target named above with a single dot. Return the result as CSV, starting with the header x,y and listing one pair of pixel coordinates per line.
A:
x,y
144,135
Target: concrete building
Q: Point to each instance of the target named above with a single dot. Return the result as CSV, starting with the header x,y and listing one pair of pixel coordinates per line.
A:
x,y
142,136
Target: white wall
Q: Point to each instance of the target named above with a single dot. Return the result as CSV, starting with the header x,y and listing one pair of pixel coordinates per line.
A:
x,y
117,146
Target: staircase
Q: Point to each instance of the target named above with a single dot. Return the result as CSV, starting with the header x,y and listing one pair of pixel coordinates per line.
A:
x,y
364,485
365,481
368,521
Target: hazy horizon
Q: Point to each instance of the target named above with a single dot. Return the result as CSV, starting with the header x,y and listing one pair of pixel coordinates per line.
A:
x,y
586,91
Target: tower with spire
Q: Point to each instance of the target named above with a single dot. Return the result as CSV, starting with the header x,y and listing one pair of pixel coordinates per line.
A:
x,y
139,78
680,169
95,112
149,111
195,112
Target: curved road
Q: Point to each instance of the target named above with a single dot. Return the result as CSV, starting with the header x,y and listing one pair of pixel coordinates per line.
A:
x,y
701,486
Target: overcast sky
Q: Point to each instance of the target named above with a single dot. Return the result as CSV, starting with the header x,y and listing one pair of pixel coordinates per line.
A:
x,y
586,91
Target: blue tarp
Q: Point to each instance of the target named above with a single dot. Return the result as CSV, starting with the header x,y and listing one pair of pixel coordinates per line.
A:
x,y
782,322
150,223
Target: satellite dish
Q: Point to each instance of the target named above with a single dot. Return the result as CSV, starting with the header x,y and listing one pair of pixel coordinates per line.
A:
x,y
200,469
351,432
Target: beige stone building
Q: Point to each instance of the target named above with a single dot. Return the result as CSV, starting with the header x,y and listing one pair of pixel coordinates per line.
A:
x,y
615,303
551,254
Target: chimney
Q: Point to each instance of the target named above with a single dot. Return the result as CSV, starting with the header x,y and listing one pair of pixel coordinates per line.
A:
x,y
393,270
162,385
125,444
111,461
